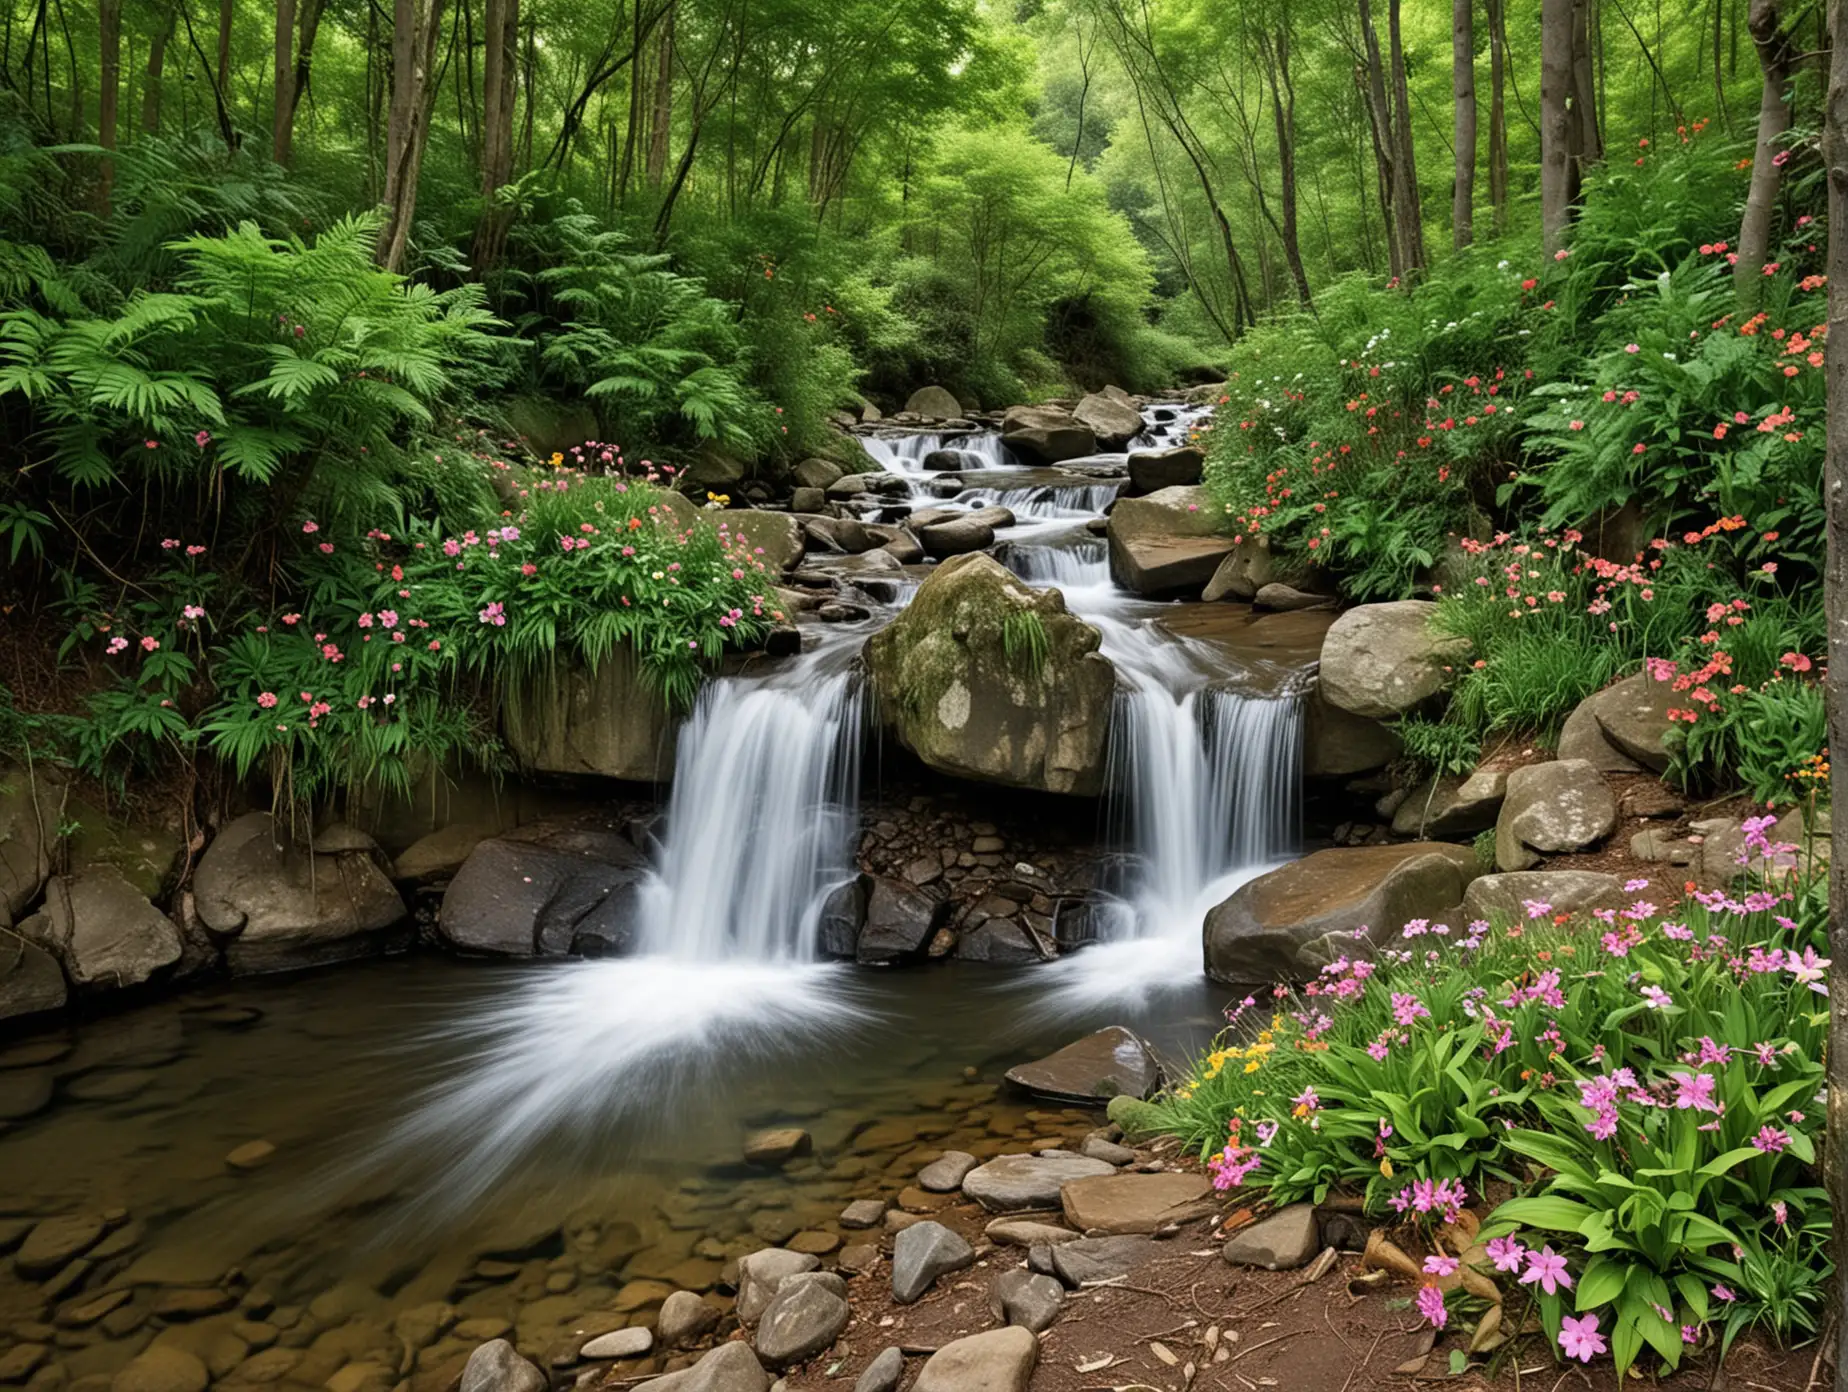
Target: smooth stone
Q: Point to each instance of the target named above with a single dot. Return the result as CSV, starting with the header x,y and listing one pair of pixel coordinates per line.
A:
x,y
1135,1203
22,1360
945,1174
1563,891
1027,1181
815,1241
178,1305
863,1213
807,1314
1381,660
1287,1239
1024,1232
1561,806
1002,1360
774,1146
883,1373
497,1367
731,1367
761,1273
251,1155
1109,1063
922,1253
915,1200
56,1241
167,1369
1027,1299
619,1343
1100,1258
858,1259
1097,1148
684,1320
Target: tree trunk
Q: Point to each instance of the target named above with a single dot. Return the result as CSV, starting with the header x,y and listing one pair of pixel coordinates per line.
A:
x,y
157,63
1589,134
109,70
307,28
1463,92
1405,194
1379,120
502,39
227,13
1835,596
1555,122
1776,60
661,123
1283,111
283,120
1498,114
416,25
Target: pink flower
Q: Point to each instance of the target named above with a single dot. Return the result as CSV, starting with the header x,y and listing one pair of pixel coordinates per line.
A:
x,y
1547,1269
267,700
202,438
1580,1338
1431,1306
310,528
117,644
149,644
1440,1265
1506,1253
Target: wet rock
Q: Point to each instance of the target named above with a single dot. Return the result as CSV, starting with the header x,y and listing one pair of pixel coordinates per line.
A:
x,y
103,929
883,1373
1096,1147
1027,1299
1000,941
684,1320
1014,1182
956,538
177,1306
923,1252
840,534
31,981
1046,435
774,539
814,1241
1289,923
945,1174
54,1242
731,1367
611,723
863,1213
1282,1242
619,1343
22,1360
276,906
774,1146
545,890
1562,806
1287,599
1001,1360
915,1200
933,403
1167,543
438,856
1243,574
1382,660
1025,1232
899,919
1339,744
1135,1203
1113,423
420,1326
1448,807
167,1369
807,1314
1564,891
1150,471
1112,1062
815,473
497,1367
761,1273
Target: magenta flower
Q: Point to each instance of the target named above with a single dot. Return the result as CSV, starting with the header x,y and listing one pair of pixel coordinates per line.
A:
x,y
1771,1140
1580,1338
1506,1253
1547,1269
1440,1265
1721,1292
1431,1306
1694,1092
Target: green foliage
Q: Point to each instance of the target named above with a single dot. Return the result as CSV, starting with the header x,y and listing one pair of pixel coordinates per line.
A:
x,y
1023,639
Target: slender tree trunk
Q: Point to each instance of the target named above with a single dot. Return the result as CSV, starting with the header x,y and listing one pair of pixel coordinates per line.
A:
x,y
1555,121
283,119
416,25
1283,113
661,123
109,71
307,29
1379,119
1498,114
1776,60
502,38
1406,195
1588,137
150,87
1463,93
227,14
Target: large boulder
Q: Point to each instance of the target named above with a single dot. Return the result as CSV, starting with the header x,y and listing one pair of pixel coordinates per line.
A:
x,y
30,803
773,538
1244,573
1046,435
1620,729
30,982
1552,808
1561,891
610,722
1002,1360
1166,543
103,929
1114,423
1113,1062
544,891
956,536
815,472
1340,744
1288,924
899,919
1452,806
934,403
1178,466
275,905
983,677
1382,660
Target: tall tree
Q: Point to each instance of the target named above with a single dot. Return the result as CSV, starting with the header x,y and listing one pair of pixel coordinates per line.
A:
x,y
283,119
1406,200
500,48
1498,112
416,25
227,15
1557,185
1777,61
151,81
1372,78
109,66
1283,111
1463,95
661,120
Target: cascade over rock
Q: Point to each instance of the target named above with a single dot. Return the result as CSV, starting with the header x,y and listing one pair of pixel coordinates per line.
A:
x,y
1288,924
1382,660
1166,543
954,694
610,722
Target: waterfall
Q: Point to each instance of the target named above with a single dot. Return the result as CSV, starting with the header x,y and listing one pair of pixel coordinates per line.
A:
x,y
904,454
1082,562
1047,502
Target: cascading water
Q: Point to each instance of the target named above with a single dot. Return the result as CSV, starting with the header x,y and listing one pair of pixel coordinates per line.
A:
x,y
904,454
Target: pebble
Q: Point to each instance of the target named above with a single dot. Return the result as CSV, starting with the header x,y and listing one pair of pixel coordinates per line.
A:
x,y
622,1343
807,1314
774,1146
53,1243
497,1367
20,1361
815,1242
858,1259
684,1320
945,1174
251,1155
180,1305
883,1373
863,1213
1027,1299
164,1368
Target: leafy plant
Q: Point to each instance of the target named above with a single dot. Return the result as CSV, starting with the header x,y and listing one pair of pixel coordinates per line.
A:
x,y
1023,639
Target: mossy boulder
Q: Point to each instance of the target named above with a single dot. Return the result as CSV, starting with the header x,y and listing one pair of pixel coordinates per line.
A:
x,y
611,722
982,677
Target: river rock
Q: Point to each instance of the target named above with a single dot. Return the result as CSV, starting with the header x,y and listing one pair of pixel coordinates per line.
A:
x,y
30,980
1620,729
1025,1232
951,461
1244,573
807,1314
103,929
945,1174
731,1367
497,1367
1014,1182
53,1242
1452,806
276,906
621,1343
1150,471
863,1213
1167,543
1282,1242
843,534
544,890
883,1373
1113,423
1002,1360
957,697
1112,1062
436,857
955,537
774,1146
1563,891
923,1252
611,723
1382,660
761,1273
164,1368
1026,1299
775,539
1100,1258
1288,924
20,1361
898,922
1046,435
933,403
29,806
816,473
1135,1203
1097,1147
684,1320
1287,599
1561,806
1340,744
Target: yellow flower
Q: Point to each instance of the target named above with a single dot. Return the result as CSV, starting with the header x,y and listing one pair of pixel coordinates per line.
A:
x,y
557,459
1386,1166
